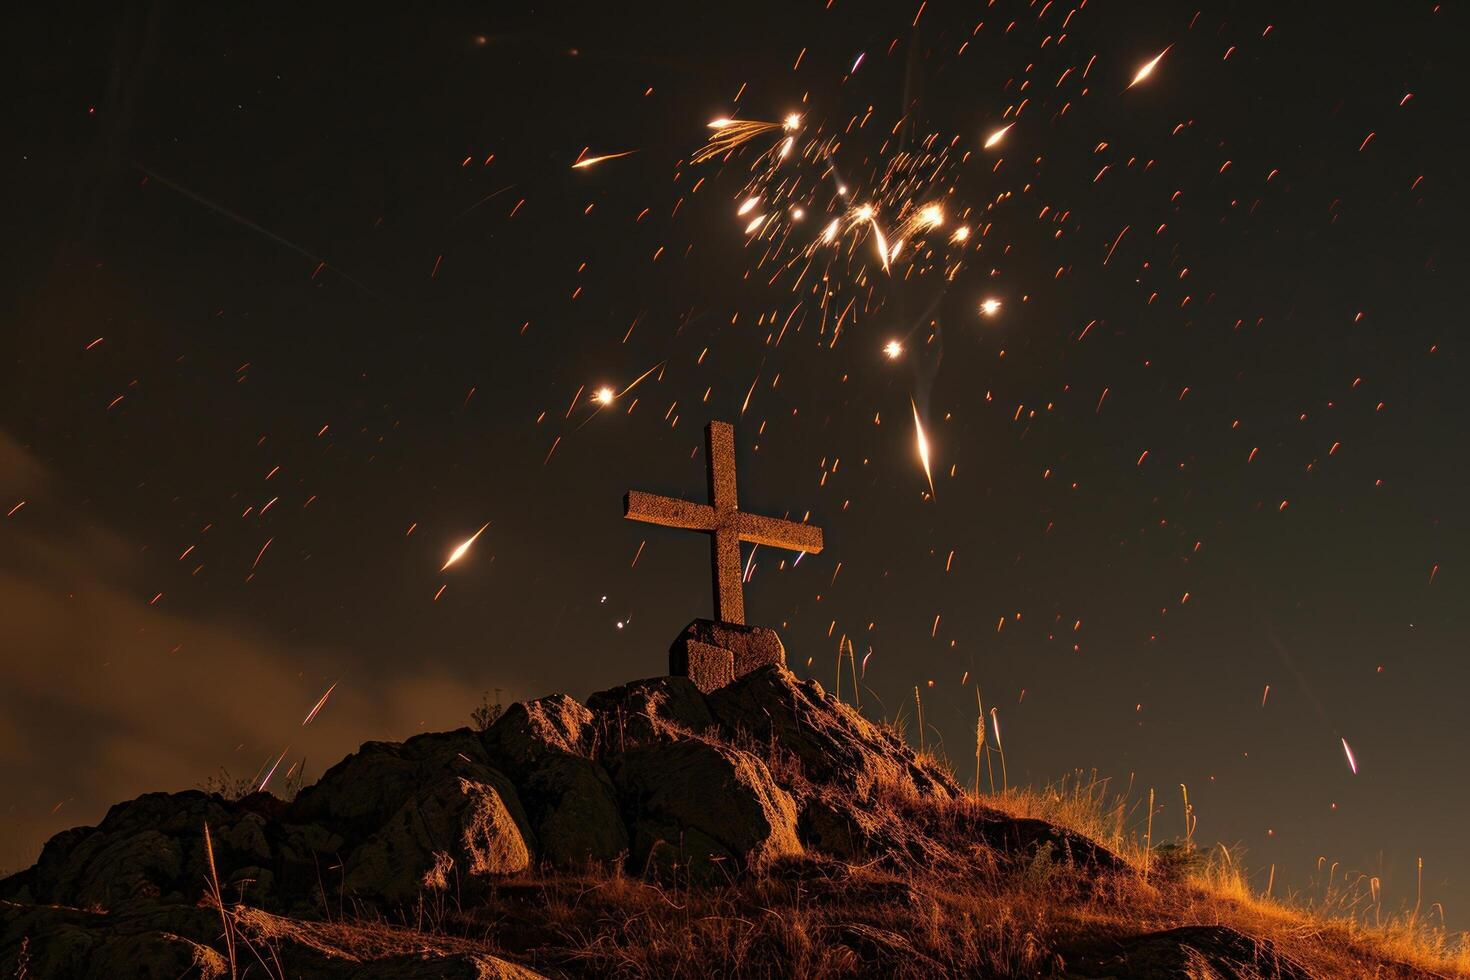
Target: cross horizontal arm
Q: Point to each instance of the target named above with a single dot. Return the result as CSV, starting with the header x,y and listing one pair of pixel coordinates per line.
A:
x,y
668,511
775,533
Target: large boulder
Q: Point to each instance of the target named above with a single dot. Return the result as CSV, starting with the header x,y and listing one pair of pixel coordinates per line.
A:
x,y
831,742
151,850
528,729
546,748
363,791
453,834
427,813
659,708
703,803
147,942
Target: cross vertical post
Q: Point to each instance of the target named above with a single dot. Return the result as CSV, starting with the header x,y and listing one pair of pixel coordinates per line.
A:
x,y
729,593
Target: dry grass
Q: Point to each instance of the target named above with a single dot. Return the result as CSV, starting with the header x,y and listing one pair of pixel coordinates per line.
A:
x,y
969,902
982,913
1214,887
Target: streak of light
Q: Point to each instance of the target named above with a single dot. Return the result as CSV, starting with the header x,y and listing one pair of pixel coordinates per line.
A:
x,y
267,779
1148,68
593,161
247,223
464,546
921,441
321,703
995,137
260,554
1347,750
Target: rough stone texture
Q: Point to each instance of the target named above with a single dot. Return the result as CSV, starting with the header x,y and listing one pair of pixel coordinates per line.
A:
x,y
832,742
529,729
836,823
702,803
151,850
706,667
449,834
330,951
180,941
408,810
545,747
656,709
1189,952
363,791
695,653
146,942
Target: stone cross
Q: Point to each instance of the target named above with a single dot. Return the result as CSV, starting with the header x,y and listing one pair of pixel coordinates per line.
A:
x,y
724,521
712,653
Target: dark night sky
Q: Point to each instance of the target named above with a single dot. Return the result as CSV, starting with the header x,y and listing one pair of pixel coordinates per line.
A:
x,y
1321,306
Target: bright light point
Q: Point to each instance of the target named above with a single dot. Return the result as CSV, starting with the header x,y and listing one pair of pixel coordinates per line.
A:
x,y
865,213
593,161
990,306
464,546
1148,69
797,214
921,441
720,123
842,189
748,206
997,136
830,232
604,396
893,350
755,223
932,215
881,244
792,122
961,234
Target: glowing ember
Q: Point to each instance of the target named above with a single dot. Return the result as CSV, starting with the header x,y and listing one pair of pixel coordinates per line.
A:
x,y
994,138
462,548
593,161
921,441
1148,69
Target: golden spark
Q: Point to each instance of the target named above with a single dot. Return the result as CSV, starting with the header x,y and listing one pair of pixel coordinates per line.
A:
x,y
1148,69
922,442
464,546
593,161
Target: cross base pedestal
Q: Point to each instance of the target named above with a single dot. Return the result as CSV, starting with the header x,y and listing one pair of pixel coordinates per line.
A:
x,y
712,654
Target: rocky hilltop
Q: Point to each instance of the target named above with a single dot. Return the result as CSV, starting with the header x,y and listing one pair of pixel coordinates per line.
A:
x,y
763,828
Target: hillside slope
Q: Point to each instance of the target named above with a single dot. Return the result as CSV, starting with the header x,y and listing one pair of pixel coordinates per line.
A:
x,y
764,829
